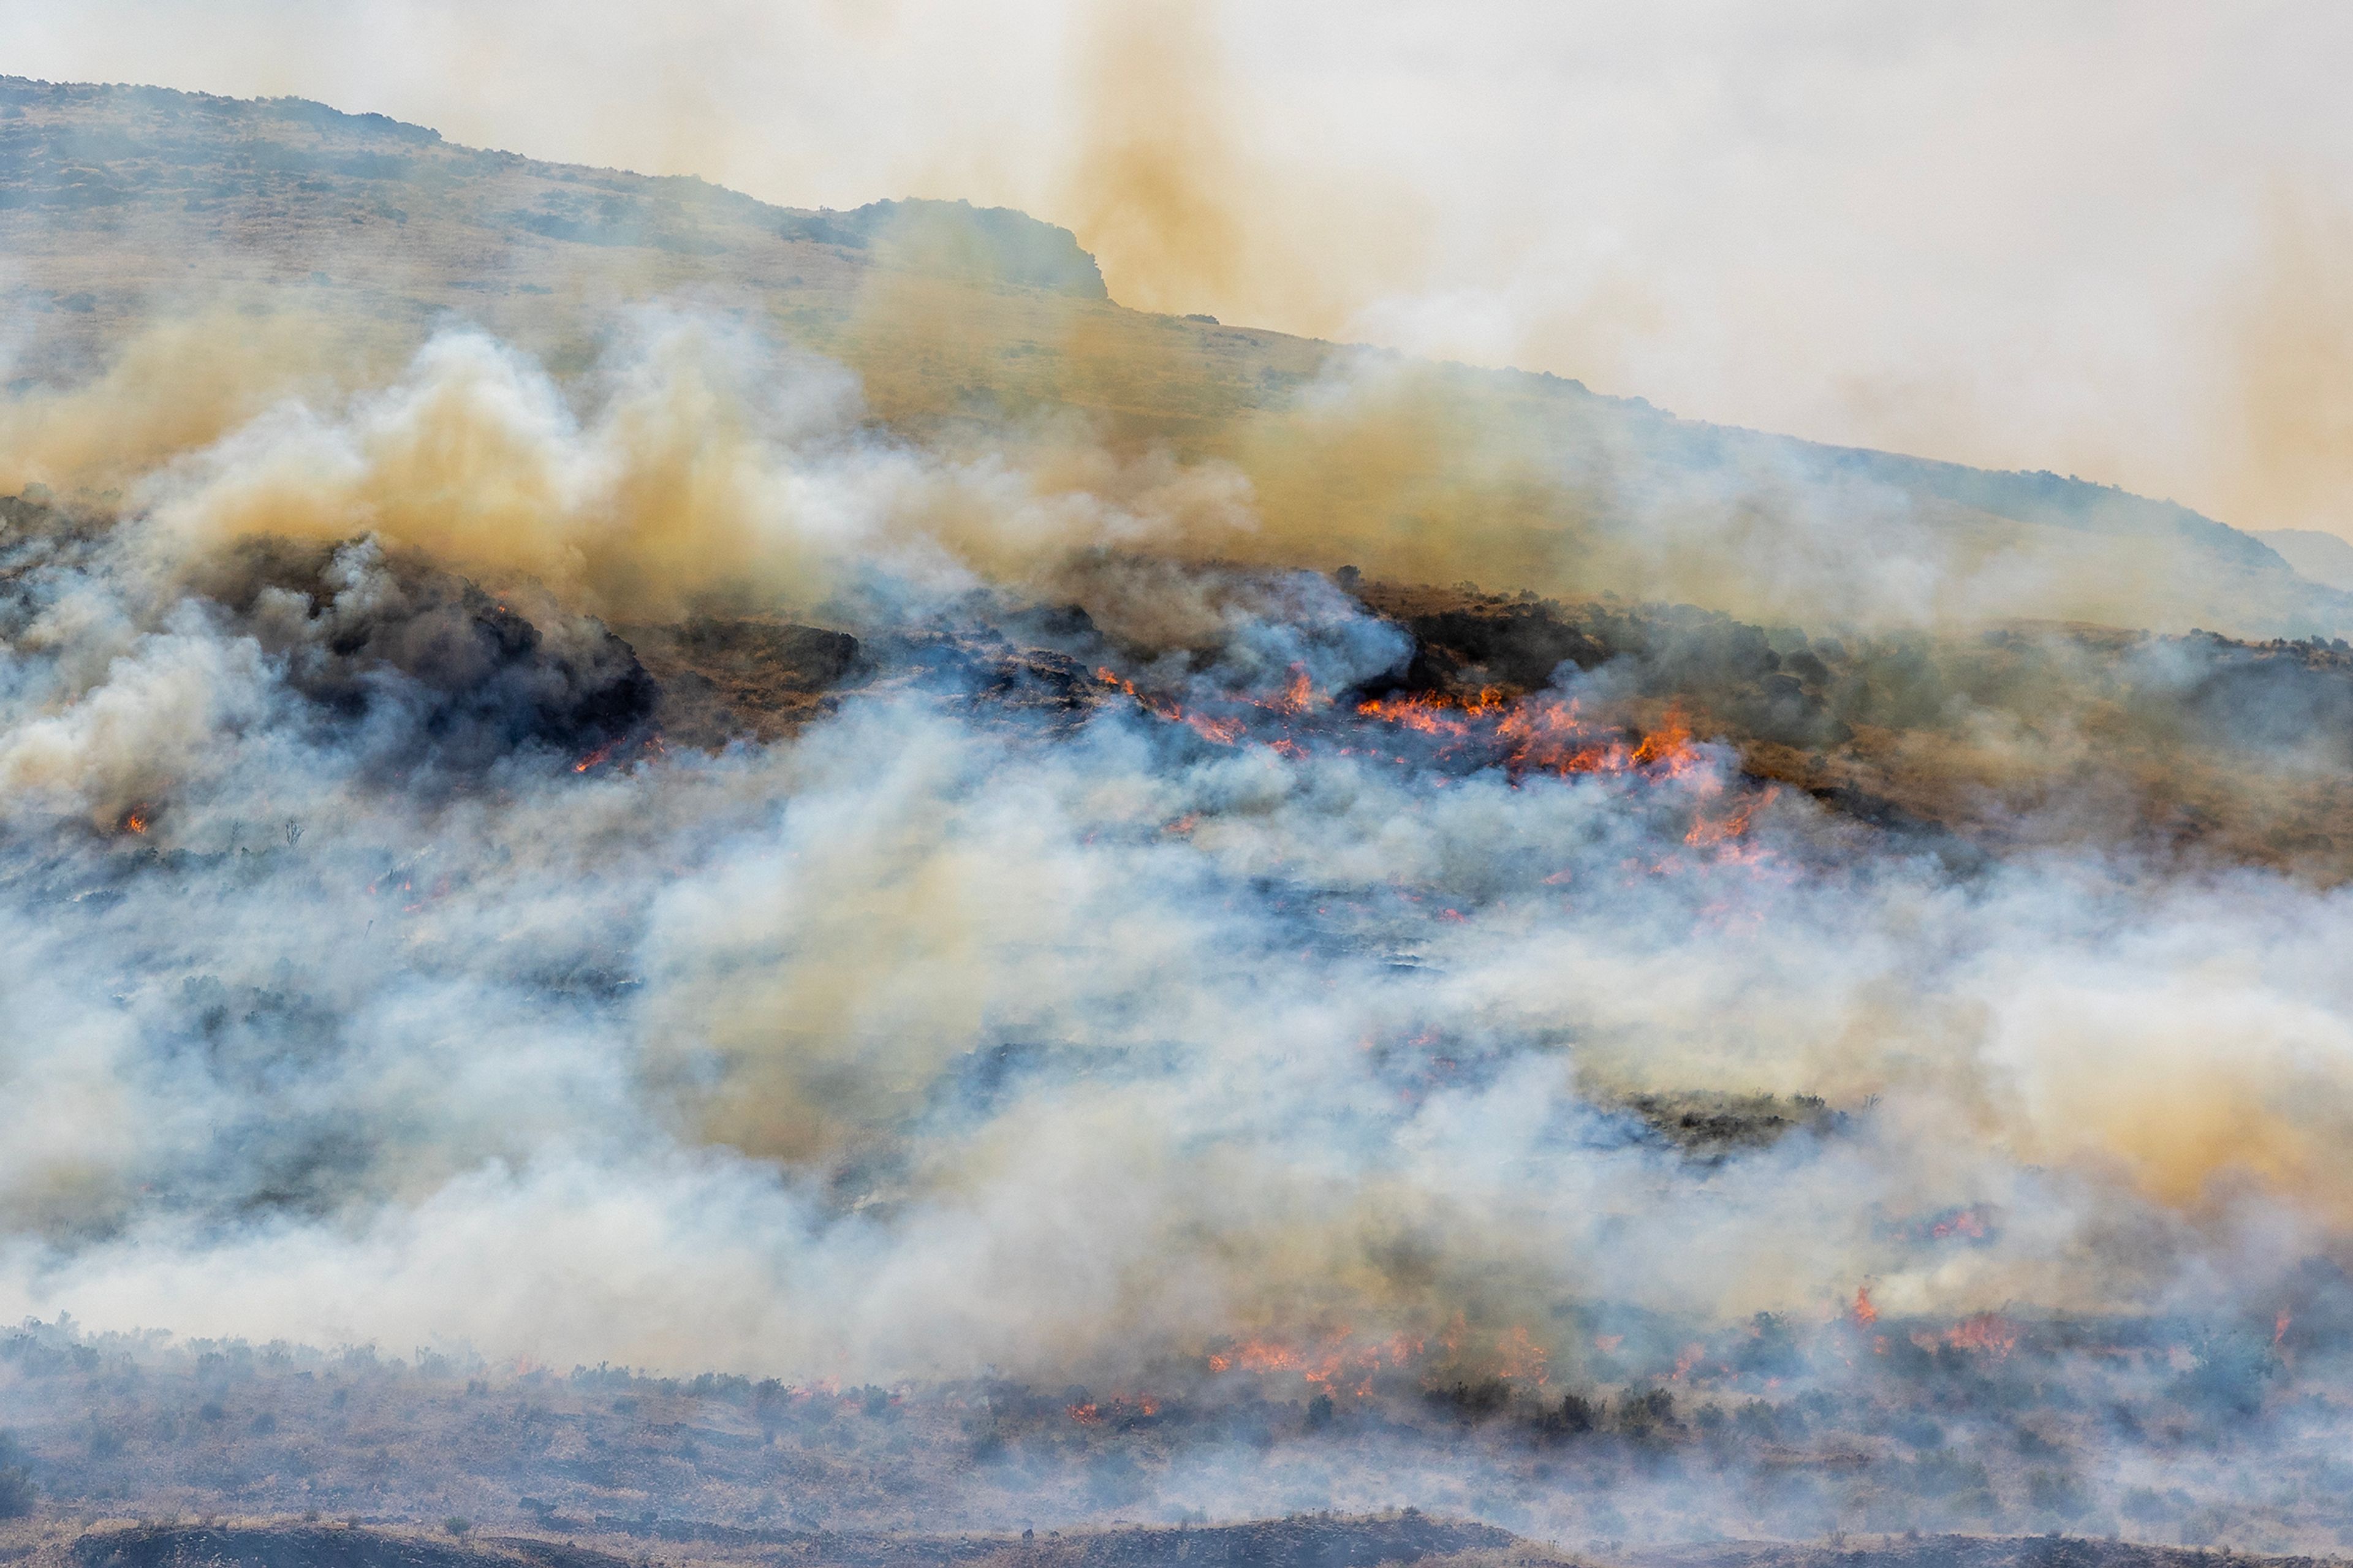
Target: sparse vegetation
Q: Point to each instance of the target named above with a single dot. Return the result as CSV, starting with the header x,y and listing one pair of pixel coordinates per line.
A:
x,y
17,1492
602,1452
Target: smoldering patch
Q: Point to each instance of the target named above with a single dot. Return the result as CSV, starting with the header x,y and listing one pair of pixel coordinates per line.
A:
x,y
420,665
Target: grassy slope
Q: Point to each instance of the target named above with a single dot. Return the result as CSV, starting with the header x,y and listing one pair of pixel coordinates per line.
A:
x,y
121,207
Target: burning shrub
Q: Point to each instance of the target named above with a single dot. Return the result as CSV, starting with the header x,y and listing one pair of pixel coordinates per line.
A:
x,y
2317,1311
1726,668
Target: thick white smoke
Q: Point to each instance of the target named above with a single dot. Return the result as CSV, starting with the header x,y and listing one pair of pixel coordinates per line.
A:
x,y
372,980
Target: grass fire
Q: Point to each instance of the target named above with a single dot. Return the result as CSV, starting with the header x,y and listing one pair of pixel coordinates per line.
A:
x,y
685,881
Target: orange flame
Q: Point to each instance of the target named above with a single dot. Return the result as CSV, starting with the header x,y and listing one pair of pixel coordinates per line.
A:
x,y
1429,713
1518,1356
1987,1333
1540,735
1224,731
1864,1313
1338,1362
1724,830
1671,746
1968,1222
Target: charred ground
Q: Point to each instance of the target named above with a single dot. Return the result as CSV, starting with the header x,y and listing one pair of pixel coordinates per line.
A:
x,y
1325,1542
2197,748
1658,1430
1320,1542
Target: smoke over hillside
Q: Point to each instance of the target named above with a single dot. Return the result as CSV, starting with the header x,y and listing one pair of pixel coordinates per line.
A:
x,y
1138,972
1002,928
181,264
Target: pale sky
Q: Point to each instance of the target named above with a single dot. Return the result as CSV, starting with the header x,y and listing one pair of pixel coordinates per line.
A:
x,y
2102,237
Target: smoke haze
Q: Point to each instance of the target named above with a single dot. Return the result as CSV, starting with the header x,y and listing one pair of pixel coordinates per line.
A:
x,y
793,810
691,1027
2014,238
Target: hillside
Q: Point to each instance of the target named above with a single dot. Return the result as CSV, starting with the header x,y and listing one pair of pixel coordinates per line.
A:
x,y
1323,1541
1318,1542
155,225
2323,557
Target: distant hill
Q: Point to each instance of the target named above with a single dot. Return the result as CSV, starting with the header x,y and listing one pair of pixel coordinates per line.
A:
x,y
1322,1541
2323,557
126,207
283,185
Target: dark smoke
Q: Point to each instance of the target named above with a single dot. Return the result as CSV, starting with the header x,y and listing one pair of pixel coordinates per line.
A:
x,y
429,669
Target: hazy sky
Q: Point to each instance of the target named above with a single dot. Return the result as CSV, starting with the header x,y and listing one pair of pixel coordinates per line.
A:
x,y
2099,236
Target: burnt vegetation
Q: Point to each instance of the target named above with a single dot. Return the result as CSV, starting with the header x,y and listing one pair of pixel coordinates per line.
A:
x,y
1716,1126
2191,747
1323,1541
1779,1426
423,665
2196,745
419,669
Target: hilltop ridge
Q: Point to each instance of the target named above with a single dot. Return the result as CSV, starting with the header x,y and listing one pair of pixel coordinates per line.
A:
x,y
70,151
